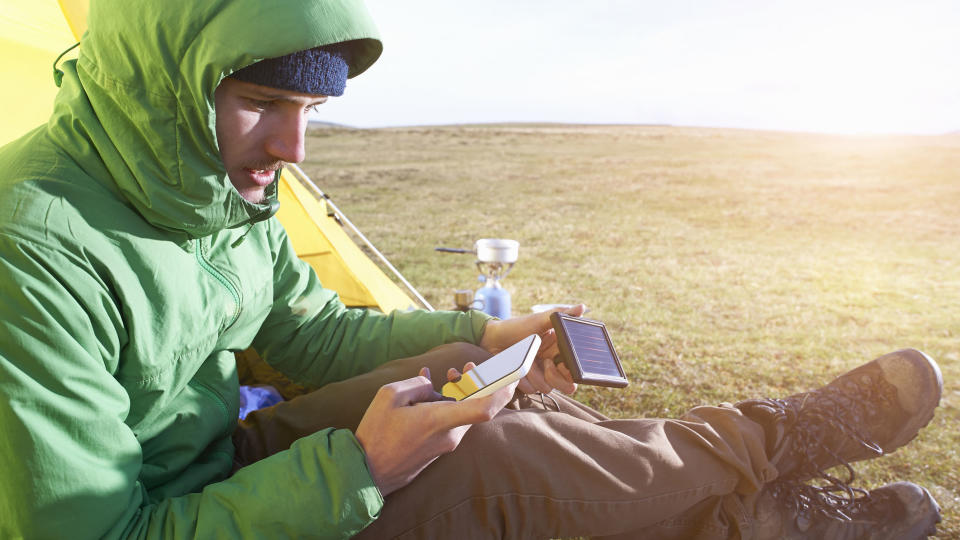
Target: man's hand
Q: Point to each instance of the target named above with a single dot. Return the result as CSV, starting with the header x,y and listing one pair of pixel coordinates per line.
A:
x,y
544,376
408,425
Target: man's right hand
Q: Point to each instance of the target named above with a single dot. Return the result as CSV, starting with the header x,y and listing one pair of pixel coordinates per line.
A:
x,y
408,425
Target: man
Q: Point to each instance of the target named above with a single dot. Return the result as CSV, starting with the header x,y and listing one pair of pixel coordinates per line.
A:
x,y
138,251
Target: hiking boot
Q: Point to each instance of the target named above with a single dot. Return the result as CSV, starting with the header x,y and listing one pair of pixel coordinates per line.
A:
x,y
898,511
864,413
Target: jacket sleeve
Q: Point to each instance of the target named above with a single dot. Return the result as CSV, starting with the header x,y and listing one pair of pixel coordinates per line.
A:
x,y
312,337
71,466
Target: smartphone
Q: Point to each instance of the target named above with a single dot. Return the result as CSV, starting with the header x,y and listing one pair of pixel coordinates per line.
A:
x,y
507,366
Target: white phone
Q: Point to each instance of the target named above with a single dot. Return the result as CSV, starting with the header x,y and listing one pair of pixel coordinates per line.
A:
x,y
507,366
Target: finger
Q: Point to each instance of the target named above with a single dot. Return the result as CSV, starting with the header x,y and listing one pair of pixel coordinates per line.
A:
x,y
449,415
548,346
536,377
453,375
456,434
562,368
441,416
573,311
500,398
410,391
556,378
425,372
535,323
487,407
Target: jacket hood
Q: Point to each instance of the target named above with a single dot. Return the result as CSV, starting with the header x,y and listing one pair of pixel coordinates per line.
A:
x,y
137,106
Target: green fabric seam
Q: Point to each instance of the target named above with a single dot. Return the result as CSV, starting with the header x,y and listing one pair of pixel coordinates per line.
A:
x,y
198,251
203,389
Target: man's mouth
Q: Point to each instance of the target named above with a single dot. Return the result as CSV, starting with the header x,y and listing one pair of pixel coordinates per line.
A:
x,y
261,177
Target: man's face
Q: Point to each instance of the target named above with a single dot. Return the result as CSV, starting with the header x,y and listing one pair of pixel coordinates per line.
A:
x,y
258,129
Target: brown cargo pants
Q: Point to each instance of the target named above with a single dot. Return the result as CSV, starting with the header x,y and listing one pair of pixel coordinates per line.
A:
x,y
534,472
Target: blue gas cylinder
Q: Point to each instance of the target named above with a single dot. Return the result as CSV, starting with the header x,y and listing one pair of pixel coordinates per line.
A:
x,y
495,300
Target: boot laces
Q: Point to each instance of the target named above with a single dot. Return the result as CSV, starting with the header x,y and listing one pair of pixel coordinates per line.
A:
x,y
822,415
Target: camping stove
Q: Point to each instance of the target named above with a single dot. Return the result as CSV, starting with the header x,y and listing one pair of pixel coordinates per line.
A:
x,y
495,259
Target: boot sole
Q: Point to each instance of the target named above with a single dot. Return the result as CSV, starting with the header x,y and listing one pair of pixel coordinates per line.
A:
x,y
926,375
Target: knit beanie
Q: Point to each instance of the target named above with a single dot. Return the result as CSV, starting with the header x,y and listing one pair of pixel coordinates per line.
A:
x,y
321,71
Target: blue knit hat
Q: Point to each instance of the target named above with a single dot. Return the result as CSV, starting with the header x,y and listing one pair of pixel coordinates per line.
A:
x,y
322,71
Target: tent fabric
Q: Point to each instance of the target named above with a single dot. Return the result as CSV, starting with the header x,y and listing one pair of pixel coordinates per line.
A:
x,y
35,32
32,34
321,241
75,12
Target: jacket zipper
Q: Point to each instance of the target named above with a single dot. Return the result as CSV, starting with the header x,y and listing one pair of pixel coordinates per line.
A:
x,y
227,284
202,261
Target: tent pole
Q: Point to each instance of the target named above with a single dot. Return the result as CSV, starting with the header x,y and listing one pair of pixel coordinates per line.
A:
x,y
305,180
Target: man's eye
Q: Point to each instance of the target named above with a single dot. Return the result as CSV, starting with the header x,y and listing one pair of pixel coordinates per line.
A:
x,y
311,108
259,103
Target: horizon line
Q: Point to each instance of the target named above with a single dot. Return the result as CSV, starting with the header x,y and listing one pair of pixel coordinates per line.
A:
x,y
320,122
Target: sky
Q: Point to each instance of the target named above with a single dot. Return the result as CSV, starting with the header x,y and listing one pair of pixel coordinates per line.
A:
x,y
840,66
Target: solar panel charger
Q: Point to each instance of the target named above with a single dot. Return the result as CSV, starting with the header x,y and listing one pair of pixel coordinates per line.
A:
x,y
587,351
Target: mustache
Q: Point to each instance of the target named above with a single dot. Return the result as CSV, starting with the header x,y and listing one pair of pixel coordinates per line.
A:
x,y
267,165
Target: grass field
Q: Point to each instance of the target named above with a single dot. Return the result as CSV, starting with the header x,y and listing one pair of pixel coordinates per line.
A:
x,y
727,264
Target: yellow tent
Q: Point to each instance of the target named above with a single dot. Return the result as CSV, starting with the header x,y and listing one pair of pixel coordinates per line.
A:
x,y
34,32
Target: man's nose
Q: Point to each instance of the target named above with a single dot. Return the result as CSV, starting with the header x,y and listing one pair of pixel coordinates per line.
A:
x,y
285,142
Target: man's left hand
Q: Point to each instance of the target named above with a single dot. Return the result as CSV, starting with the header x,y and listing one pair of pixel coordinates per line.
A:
x,y
544,376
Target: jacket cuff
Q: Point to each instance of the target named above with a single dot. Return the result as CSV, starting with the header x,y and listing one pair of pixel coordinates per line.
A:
x,y
478,321
351,492
363,480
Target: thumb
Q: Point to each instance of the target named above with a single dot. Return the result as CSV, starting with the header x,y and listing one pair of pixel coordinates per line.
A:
x,y
414,390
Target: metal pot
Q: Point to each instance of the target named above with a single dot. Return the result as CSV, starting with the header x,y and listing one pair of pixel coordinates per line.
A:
x,y
496,250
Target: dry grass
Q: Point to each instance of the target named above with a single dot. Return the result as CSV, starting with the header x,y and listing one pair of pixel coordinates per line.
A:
x,y
728,264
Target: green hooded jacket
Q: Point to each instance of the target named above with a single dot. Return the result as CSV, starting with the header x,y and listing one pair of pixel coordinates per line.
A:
x,y
130,269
